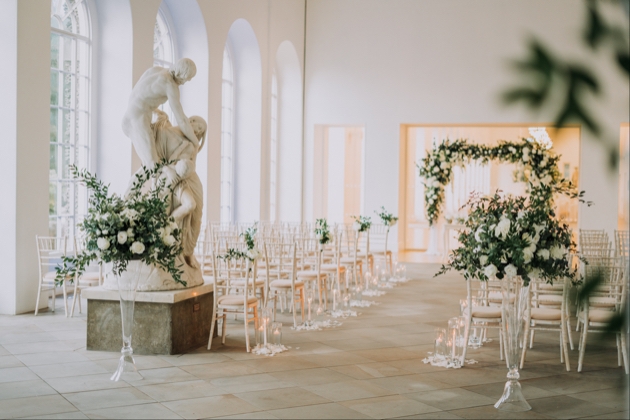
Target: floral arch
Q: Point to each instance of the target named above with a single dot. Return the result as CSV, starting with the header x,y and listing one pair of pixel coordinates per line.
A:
x,y
537,165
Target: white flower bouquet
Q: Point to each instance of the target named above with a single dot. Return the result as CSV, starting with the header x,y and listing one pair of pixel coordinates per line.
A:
x,y
388,218
119,230
321,231
509,237
361,223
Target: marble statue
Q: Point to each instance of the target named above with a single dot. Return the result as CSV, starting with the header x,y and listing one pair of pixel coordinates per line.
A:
x,y
155,141
155,87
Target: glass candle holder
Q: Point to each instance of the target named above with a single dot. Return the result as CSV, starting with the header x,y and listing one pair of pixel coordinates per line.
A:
x,y
454,351
439,344
276,333
367,278
463,304
261,335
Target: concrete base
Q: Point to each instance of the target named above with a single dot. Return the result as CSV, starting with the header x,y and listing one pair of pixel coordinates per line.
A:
x,y
170,322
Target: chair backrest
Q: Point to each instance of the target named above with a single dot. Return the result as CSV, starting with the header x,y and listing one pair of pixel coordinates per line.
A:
x,y
280,260
594,243
622,243
227,269
50,250
379,237
539,288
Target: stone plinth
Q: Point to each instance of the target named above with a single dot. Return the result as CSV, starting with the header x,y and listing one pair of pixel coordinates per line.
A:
x,y
169,322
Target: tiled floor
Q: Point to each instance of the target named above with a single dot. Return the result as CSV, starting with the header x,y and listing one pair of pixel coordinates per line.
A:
x,y
370,367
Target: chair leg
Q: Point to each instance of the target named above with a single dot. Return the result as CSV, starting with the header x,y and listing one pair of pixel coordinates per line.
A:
x,y
302,302
531,339
582,347
624,351
65,298
293,309
74,298
569,333
39,293
466,334
618,339
214,318
566,331
246,322
223,326
524,352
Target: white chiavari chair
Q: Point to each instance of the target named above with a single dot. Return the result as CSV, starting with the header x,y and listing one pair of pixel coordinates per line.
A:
x,y
622,243
229,297
281,267
541,317
596,311
85,280
50,251
309,267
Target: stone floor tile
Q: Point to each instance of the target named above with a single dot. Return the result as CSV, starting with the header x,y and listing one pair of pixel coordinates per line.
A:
x,y
142,363
430,416
4,352
281,398
24,389
349,390
567,407
257,415
64,370
142,411
311,376
619,415
35,406
217,406
388,407
220,370
465,377
26,337
36,359
82,383
336,358
278,364
495,390
181,390
451,398
9,362
195,359
319,411
161,376
37,347
570,384
489,412
16,374
92,400
313,348
356,344
63,416
409,383
385,354
415,366
370,370
247,383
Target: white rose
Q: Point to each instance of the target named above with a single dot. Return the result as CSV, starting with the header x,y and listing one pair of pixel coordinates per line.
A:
x,y
526,151
490,271
502,228
510,271
483,260
169,240
102,243
357,226
543,253
558,252
106,232
137,247
253,254
535,273
539,228
392,222
436,183
478,234
122,237
130,233
546,179
528,253
436,170
525,158
173,226
443,165
521,214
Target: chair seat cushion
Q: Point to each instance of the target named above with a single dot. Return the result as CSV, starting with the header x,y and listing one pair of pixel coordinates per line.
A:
x,y
602,301
598,315
90,275
546,314
350,260
310,274
547,286
485,312
332,267
284,284
550,299
240,282
234,300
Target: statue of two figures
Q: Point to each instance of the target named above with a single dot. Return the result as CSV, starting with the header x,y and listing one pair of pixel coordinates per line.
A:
x,y
154,138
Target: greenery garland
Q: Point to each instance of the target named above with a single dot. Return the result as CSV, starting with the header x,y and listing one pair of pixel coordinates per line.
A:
x,y
539,168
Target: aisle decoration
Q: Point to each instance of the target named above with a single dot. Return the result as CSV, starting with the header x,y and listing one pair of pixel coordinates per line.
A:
x,y
361,223
249,237
321,231
512,239
136,235
537,166
386,217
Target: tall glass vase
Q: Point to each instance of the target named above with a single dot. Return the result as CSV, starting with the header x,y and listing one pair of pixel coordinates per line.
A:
x,y
514,295
127,286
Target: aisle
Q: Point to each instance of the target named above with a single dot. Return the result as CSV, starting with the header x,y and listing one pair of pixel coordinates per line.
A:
x,y
369,367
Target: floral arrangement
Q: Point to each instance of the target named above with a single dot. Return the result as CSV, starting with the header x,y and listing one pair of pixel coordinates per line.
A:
x,y
118,230
235,254
361,223
388,218
249,236
508,237
538,165
321,231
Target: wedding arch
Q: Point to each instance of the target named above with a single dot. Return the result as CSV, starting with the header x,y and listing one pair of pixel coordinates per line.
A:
x,y
537,167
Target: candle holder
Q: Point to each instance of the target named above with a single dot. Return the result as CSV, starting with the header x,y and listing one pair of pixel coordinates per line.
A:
x,y
439,344
336,298
276,333
309,301
367,278
454,350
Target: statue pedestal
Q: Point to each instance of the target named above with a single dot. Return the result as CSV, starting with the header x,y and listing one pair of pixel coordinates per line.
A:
x,y
167,322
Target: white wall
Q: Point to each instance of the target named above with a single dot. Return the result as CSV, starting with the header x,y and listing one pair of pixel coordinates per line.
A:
x,y
383,63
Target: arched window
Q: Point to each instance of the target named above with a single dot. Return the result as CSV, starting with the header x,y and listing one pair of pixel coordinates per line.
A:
x,y
273,150
227,137
70,113
163,46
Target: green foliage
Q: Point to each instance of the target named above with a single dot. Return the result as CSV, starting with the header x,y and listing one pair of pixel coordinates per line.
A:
x,y
362,223
547,78
388,218
118,230
249,235
537,164
321,231
510,237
